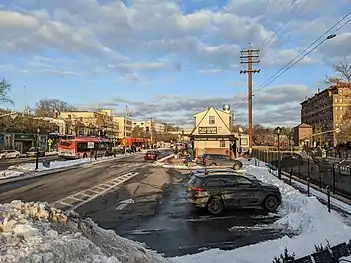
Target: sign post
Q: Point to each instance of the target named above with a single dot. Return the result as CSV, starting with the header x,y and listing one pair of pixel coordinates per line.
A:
x,y
49,144
91,147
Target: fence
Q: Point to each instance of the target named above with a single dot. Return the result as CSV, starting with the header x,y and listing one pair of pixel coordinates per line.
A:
x,y
317,171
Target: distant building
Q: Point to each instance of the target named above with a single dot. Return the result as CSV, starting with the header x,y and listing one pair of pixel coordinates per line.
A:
x,y
146,126
125,126
212,132
90,123
302,135
325,110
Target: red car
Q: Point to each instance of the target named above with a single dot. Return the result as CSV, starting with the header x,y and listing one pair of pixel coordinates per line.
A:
x,y
152,155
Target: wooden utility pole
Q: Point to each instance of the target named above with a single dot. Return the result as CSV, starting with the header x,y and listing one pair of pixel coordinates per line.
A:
x,y
249,57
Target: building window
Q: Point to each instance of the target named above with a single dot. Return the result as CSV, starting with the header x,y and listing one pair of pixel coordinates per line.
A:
x,y
340,100
340,91
222,144
211,119
336,100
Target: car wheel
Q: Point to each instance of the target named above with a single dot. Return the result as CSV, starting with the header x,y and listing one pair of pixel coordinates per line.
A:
x,y
212,164
17,156
85,156
215,206
271,203
237,166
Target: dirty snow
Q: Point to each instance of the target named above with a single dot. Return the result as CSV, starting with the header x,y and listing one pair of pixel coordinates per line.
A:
x,y
36,232
20,169
303,215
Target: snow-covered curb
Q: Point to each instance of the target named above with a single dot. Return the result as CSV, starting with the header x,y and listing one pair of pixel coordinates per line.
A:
x,y
304,216
37,232
28,169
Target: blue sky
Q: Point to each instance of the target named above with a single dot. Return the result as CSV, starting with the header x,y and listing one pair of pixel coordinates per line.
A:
x,y
168,58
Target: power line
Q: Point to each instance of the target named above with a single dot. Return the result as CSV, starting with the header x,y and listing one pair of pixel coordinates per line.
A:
x,y
292,62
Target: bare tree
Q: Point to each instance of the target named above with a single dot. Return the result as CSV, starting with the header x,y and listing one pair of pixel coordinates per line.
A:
x,y
5,88
343,74
48,107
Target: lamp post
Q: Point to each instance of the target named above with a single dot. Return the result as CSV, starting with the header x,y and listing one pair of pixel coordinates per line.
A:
x,y
278,131
37,155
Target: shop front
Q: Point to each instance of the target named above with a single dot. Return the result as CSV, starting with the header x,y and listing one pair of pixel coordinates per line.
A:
x,y
24,141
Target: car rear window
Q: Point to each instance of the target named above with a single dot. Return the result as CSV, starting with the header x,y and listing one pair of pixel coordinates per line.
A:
x,y
195,181
150,152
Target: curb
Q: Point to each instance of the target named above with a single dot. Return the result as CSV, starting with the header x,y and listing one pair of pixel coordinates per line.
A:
x,y
34,174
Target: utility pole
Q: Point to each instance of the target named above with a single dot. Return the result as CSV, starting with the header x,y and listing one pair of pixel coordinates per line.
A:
x,y
249,57
152,128
124,129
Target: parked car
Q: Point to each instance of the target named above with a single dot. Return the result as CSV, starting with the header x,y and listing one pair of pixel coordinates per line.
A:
x,y
152,155
220,171
215,192
344,166
9,154
221,160
32,152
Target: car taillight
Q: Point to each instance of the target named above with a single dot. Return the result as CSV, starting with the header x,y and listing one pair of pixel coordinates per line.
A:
x,y
198,189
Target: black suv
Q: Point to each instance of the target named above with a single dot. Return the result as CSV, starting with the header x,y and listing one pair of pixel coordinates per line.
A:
x,y
222,160
218,190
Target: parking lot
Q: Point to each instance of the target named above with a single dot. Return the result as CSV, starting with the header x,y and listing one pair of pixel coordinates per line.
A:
x,y
152,208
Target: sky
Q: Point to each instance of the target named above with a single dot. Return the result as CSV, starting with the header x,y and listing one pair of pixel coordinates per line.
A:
x,y
169,58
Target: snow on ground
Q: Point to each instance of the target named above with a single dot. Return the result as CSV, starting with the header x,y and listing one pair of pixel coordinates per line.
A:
x,y
9,174
36,232
19,169
303,215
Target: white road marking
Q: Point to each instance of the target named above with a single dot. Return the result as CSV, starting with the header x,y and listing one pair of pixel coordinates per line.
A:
x,y
87,193
124,203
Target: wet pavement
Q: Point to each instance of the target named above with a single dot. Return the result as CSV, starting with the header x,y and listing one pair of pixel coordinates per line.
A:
x,y
173,227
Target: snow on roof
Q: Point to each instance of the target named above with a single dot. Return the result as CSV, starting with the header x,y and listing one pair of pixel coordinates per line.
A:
x,y
37,232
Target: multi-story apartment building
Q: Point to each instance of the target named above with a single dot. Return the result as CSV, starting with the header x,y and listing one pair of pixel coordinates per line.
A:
x,y
146,126
90,123
125,126
325,111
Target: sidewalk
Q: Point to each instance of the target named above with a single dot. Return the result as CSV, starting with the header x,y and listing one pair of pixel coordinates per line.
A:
x,y
336,200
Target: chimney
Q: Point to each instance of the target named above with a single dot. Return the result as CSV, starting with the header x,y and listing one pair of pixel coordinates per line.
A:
x,y
305,97
318,91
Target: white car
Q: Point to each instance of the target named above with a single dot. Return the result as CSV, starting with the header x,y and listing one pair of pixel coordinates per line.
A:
x,y
9,154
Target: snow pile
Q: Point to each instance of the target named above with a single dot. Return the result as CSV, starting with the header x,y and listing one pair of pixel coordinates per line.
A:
x,y
36,232
29,167
305,216
9,174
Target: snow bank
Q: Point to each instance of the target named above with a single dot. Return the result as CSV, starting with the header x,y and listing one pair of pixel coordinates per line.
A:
x,y
305,216
19,169
36,232
9,174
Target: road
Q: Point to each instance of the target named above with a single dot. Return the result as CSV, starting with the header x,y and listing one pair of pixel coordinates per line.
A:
x,y
168,224
55,186
4,164
149,208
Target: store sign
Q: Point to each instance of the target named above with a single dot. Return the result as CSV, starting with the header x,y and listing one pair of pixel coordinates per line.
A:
x,y
207,130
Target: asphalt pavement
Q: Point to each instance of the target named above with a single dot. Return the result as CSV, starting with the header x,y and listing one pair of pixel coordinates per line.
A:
x,y
168,224
52,187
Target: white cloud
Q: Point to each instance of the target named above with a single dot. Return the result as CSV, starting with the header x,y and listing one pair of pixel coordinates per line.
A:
x,y
109,29
272,106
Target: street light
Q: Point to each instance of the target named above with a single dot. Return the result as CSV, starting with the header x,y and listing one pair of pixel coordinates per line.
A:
x,y
37,156
278,131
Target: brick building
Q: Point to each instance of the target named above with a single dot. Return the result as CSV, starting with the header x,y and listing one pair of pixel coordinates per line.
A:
x,y
324,111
